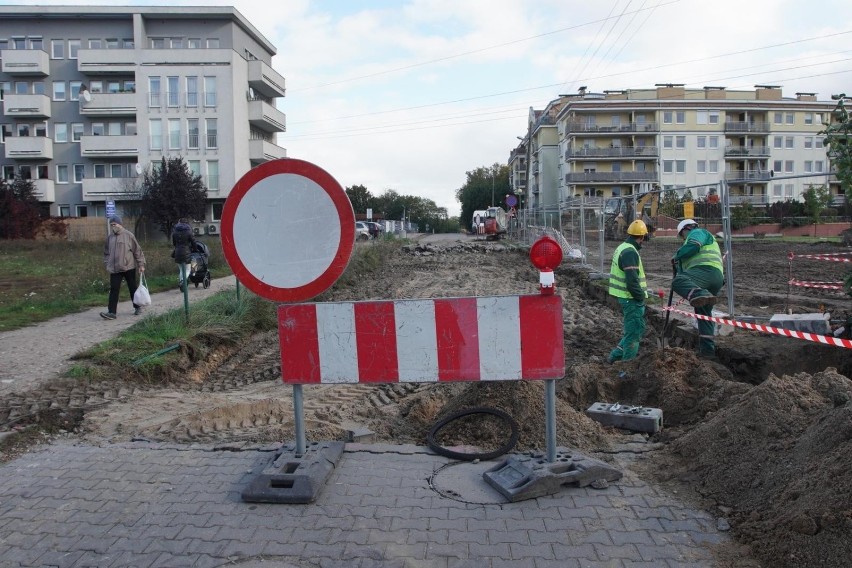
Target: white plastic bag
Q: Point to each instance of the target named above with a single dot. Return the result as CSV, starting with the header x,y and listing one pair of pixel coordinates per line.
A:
x,y
142,297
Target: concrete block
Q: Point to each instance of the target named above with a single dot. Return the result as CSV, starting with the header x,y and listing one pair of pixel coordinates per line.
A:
x,y
806,323
636,418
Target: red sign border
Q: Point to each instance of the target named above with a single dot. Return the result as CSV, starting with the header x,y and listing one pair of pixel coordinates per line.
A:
x,y
345,215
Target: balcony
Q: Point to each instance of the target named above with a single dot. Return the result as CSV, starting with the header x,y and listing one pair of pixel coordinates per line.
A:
x,y
102,189
31,106
748,175
736,152
44,190
110,104
29,148
263,151
109,146
266,117
628,128
619,152
25,62
610,177
759,199
106,61
265,80
742,126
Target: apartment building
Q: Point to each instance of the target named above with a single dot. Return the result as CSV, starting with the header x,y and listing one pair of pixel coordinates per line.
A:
x,y
619,143
518,169
543,156
92,97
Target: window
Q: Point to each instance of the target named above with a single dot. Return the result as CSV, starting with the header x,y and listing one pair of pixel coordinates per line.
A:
x,y
114,129
778,165
177,43
158,43
218,207
788,166
96,44
193,43
789,118
112,43
5,132
788,190
75,90
96,87
809,166
809,142
702,117
82,211
192,92
60,132
778,118
98,129
21,87
778,142
616,120
57,49
616,166
788,142
210,91
680,117
213,43
701,166
192,134
64,210
62,173
714,166
210,126
155,125
116,171
714,141
23,130
130,128
38,87
213,175
128,43
809,118
668,141
154,91
680,141
100,171
174,133
113,86
79,173
41,129
129,86
194,167
668,166
59,90
76,131
818,166
36,43
680,166
9,172
714,117
19,43
701,142
777,190
73,48
818,142
5,88
667,117
172,94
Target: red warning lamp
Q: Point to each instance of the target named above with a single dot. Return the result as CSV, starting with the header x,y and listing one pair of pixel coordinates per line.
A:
x,y
546,254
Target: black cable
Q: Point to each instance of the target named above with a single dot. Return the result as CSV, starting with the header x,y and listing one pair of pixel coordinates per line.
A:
x,y
470,456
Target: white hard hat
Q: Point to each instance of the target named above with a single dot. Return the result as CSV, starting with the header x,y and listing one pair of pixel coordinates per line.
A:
x,y
685,223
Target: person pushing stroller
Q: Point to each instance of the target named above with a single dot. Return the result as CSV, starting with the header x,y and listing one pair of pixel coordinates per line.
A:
x,y
184,243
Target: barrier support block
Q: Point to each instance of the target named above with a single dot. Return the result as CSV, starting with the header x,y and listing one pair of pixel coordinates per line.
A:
x,y
293,478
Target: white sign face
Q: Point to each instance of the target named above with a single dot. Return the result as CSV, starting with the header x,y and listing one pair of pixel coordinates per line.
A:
x,y
369,214
286,230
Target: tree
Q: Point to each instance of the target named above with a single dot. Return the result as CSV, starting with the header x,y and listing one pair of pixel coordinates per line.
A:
x,y
171,191
482,184
19,217
360,197
670,204
816,200
837,142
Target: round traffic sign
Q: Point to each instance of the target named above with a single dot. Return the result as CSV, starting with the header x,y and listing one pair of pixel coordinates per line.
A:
x,y
288,230
511,200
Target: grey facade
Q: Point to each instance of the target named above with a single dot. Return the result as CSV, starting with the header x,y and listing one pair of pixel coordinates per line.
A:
x,y
194,82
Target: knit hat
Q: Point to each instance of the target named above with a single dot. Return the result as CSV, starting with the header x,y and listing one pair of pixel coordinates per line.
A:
x,y
115,219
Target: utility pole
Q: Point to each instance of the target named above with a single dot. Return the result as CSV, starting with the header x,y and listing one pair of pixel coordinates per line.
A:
x,y
492,188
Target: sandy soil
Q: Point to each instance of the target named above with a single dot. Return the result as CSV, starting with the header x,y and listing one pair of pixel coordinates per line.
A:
x,y
762,438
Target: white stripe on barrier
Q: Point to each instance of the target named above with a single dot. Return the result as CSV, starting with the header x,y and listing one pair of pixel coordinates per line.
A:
x,y
834,257
814,337
416,351
822,285
499,325
337,343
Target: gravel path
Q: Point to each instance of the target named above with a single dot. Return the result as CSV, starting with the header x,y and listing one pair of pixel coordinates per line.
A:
x,y
32,356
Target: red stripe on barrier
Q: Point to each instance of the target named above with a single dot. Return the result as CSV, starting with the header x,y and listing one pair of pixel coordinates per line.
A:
x,y
297,334
457,331
834,257
822,285
542,347
375,327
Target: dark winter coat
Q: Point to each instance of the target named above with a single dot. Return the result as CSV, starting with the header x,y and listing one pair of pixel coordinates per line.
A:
x,y
183,241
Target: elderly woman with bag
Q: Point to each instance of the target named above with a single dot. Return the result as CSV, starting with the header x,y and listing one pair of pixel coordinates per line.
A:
x,y
122,258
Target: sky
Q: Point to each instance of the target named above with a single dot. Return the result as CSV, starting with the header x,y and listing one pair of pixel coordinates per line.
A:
x,y
410,95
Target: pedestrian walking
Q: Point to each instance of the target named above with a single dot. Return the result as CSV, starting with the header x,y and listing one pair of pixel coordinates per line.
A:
x,y
699,276
184,242
627,283
122,258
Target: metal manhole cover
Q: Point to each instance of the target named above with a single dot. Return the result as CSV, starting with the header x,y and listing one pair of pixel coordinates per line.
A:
x,y
462,481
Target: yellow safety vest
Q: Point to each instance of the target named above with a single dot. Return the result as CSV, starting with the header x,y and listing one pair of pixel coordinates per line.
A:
x,y
708,255
617,277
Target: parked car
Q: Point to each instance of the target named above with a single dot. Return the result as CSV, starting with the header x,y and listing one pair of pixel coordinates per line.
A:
x,y
376,229
362,231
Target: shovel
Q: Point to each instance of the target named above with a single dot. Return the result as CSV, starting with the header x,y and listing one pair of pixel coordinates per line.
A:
x,y
664,340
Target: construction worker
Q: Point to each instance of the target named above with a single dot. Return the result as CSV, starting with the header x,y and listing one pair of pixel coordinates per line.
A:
x,y
699,276
627,283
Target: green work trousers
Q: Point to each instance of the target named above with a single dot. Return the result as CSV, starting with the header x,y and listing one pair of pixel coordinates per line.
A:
x,y
696,282
634,328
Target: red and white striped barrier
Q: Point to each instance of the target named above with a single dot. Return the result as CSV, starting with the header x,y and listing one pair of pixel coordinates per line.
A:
x,y
495,338
834,257
822,285
815,337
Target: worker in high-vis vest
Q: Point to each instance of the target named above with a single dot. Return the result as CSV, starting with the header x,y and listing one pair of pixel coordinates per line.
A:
x,y
627,283
698,278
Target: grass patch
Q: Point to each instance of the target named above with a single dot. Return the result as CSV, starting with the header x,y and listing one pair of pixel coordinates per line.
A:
x,y
40,280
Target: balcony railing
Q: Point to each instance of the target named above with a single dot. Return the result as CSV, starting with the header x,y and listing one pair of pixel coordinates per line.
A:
x,y
617,129
106,61
619,152
100,189
34,106
753,199
609,177
29,147
31,62
746,151
746,126
124,146
265,80
748,175
266,117
263,151
110,104
44,190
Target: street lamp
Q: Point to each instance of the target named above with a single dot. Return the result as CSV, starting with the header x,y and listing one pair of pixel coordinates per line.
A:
x,y
492,189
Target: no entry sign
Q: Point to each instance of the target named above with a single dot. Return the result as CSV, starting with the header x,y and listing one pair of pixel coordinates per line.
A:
x,y
287,230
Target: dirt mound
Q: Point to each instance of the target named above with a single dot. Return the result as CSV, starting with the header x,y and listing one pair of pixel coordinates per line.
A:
x,y
778,460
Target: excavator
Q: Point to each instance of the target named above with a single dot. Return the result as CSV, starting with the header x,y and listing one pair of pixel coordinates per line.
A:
x,y
646,210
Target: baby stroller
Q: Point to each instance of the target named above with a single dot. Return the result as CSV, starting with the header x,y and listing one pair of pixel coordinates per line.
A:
x,y
198,272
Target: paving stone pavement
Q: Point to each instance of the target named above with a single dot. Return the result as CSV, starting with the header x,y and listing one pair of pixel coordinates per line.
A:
x,y
163,505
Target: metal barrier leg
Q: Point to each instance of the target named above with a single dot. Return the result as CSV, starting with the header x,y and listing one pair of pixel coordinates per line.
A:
x,y
550,418
299,415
